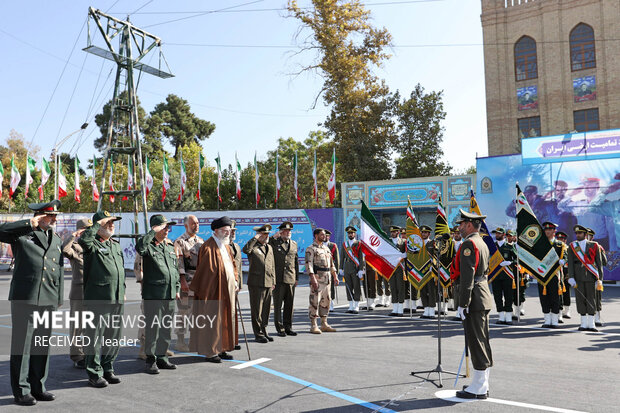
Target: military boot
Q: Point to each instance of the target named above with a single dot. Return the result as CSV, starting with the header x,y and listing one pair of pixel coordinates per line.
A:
x,y
326,328
314,329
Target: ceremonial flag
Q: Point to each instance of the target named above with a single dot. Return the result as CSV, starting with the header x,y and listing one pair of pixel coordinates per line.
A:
x,y
111,180
183,178
165,179
76,180
446,255
381,254
15,177
147,176
315,190
45,175
30,166
129,175
219,176
495,257
1,178
277,180
62,180
295,185
238,177
536,254
201,164
256,176
418,263
331,184
93,182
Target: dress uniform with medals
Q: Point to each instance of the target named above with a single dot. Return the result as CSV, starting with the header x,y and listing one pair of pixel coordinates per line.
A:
x,y
550,294
36,286
428,293
503,284
524,280
352,268
287,275
160,287
320,268
104,295
398,284
565,298
599,291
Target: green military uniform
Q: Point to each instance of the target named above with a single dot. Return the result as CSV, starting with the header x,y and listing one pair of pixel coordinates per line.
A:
x,y
352,267
398,284
261,279
36,286
503,283
565,298
287,275
598,292
104,295
428,293
160,286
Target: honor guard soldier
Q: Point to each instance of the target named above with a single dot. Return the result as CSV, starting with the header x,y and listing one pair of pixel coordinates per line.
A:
x,y
565,298
73,251
320,267
187,247
428,293
261,281
475,303
104,295
550,294
584,271
36,286
397,281
352,269
504,283
161,286
236,250
333,248
599,291
524,279
458,240
287,275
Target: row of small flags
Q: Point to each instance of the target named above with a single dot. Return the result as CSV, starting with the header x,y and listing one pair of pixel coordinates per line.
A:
x,y
62,180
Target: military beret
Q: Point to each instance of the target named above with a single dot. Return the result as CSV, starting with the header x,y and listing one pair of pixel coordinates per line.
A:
x,y
394,228
425,228
328,232
469,216
263,228
99,215
549,225
498,230
286,225
221,222
579,228
590,231
46,207
159,219
83,223
561,234
350,229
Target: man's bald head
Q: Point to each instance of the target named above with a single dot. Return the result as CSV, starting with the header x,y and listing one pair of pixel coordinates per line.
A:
x,y
191,224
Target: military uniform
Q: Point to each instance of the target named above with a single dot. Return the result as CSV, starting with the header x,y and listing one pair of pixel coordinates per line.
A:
x,y
238,261
333,248
398,284
428,293
565,298
352,266
160,287
320,263
261,280
36,286
104,295
287,275
369,283
549,295
503,283
598,293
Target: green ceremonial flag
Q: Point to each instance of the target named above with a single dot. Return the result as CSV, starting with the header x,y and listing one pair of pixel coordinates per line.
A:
x,y
418,262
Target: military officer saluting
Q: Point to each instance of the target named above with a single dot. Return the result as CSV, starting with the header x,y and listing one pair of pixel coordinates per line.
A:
x,y
36,286
104,295
352,268
287,274
161,285
320,268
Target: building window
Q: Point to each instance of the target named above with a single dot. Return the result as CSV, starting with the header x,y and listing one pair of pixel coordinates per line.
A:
x,y
582,53
529,127
526,66
586,120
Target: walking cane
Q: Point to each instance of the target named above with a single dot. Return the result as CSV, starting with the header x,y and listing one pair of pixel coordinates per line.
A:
x,y
245,336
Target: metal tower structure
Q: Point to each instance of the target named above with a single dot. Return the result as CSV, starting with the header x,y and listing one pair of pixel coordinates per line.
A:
x,y
123,135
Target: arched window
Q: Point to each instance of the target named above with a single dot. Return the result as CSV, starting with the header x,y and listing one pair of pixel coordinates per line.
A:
x,y
526,66
582,52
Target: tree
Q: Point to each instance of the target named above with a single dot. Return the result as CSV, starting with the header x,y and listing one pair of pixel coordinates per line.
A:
x,y
120,132
15,145
420,135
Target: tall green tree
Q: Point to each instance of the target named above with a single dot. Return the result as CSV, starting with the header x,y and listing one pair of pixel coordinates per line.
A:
x,y
120,132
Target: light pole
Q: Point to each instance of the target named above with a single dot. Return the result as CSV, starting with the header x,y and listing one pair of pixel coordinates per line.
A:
x,y
56,156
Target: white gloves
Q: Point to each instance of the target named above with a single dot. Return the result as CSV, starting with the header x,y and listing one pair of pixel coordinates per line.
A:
x,y
562,262
341,272
505,263
460,311
360,274
572,282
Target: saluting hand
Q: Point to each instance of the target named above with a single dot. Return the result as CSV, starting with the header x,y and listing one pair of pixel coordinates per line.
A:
x,y
159,227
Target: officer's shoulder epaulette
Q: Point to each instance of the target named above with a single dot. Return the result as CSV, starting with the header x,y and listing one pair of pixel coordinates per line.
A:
x,y
169,242
115,240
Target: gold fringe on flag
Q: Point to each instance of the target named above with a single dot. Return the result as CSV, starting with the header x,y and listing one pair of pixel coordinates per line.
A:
x,y
514,286
544,290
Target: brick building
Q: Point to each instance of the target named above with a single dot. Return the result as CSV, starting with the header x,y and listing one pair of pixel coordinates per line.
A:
x,y
551,67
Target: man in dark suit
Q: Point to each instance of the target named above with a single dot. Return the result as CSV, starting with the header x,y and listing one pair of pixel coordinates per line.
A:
x,y
287,275
36,286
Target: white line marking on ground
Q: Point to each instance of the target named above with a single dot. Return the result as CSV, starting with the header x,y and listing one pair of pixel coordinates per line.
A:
x,y
250,363
450,395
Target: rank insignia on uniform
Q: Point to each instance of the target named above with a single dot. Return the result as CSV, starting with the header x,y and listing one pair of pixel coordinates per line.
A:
x,y
467,252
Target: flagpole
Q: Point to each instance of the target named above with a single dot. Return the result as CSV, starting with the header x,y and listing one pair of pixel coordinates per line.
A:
x,y
517,281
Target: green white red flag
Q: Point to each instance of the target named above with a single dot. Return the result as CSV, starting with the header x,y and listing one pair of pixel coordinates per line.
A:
x,y
15,177
111,180
201,164
238,176
30,166
219,176
183,179
45,175
295,184
277,180
165,179
256,176
93,182
147,176
331,184
315,189
76,180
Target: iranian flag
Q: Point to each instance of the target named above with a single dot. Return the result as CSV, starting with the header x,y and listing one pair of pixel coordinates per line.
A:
x,y
111,180
183,179
147,176
93,182
165,179
76,180
219,176
15,177
62,181
295,184
45,175
256,176
1,178
238,177
315,190
129,176
277,180
381,253
331,184
201,164
30,165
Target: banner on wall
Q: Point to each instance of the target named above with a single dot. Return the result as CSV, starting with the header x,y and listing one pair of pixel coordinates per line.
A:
x,y
527,97
580,146
584,88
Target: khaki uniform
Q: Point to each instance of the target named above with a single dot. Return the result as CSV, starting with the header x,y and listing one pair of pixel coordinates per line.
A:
x,y
287,274
73,251
319,261
187,247
261,280
333,248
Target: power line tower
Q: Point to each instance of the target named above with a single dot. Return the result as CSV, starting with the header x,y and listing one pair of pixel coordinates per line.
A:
x,y
123,136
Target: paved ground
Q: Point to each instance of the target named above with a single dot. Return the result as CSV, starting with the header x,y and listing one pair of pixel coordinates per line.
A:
x,y
365,366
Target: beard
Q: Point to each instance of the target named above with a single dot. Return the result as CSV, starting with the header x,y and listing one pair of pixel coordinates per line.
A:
x,y
224,239
105,233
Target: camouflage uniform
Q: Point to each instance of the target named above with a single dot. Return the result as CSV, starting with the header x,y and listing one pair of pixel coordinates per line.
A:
x,y
187,247
319,261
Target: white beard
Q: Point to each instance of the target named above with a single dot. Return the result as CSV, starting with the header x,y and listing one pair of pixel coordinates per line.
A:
x,y
105,233
224,240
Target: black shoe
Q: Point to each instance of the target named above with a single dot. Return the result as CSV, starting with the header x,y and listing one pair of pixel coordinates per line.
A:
x,y
80,364
25,400
582,329
400,315
420,307
355,312
392,314
598,324
281,333
111,378
214,359
462,394
261,339
508,323
99,382
478,396
290,333
500,322
515,317
594,330
561,321
237,347
44,397
546,326
566,316
151,368
349,311
268,337
166,365
225,356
